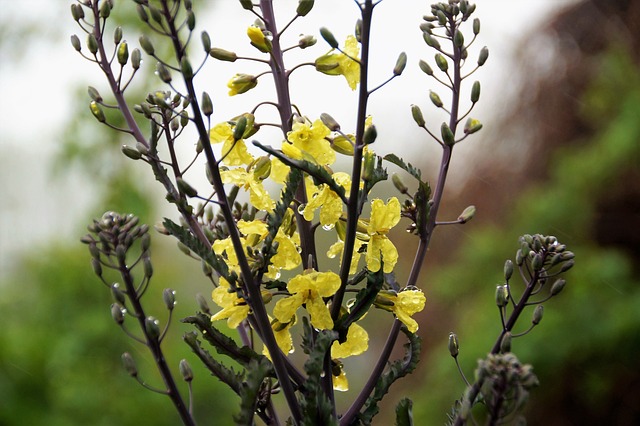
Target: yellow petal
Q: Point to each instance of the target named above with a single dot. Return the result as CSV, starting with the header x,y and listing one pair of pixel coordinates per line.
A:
x,y
357,342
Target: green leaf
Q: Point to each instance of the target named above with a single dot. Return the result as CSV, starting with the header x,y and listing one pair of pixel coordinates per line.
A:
x,y
404,414
256,372
407,167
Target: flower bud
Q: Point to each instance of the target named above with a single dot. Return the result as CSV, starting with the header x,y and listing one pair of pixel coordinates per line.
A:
x,y
472,126
475,92
519,257
96,266
329,121
476,26
467,214
431,41
458,39
435,99
117,313
416,112
557,286
304,7
163,72
191,20
185,67
241,83
502,296
132,153
206,41
454,346
328,37
169,298
484,54
117,35
97,112
537,262
223,55
123,53
358,30
401,63
92,43
537,314
185,370
262,168
207,105
129,364
566,266
93,94
156,15
77,12
151,325
136,58
185,188
146,45
117,294
148,267
425,67
75,42
246,4
202,303
306,41
241,126
399,184
447,135
508,270
142,13
442,19
145,241
370,135
342,145
105,9
505,343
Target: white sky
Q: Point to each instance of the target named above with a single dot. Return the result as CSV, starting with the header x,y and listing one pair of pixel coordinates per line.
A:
x,y
36,80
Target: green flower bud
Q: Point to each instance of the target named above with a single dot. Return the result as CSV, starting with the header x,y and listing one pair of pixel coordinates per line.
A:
x,y
105,9
472,126
537,262
207,105
467,214
241,125
476,26
435,99
557,286
537,314
117,294
77,12
202,303
97,112
566,266
247,4
123,53
93,94
505,343
92,44
169,298
146,45
454,346
129,364
223,55
306,41
132,153
262,168
164,74
416,112
328,37
458,39
75,42
96,266
370,135
399,184
152,327
117,314
484,54
342,145
329,122
475,92
117,35
185,67
185,370
441,62
502,296
191,20
142,13
304,7
358,30
431,41
136,58
148,266
401,63
156,15
508,270
427,27
185,188
425,67
519,257
206,41
442,19
447,135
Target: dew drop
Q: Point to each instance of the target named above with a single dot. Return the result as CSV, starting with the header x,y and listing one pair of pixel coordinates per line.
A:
x,y
301,208
328,227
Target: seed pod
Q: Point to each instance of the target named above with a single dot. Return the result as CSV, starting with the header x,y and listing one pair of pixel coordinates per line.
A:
x,y
441,62
401,63
475,92
329,37
435,99
425,67
146,45
484,54
416,112
447,135
123,53
454,346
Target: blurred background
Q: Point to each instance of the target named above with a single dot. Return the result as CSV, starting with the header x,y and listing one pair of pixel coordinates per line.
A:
x,y
559,155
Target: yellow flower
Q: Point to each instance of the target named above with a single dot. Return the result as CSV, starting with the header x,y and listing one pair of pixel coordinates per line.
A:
x,y
357,342
279,171
258,196
310,139
258,40
341,64
383,218
328,201
221,247
282,333
241,83
340,382
403,305
234,308
309,289
234,153
287,257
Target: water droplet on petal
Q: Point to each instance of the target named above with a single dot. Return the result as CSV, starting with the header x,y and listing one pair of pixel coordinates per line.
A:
x,y
328,227
301,208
